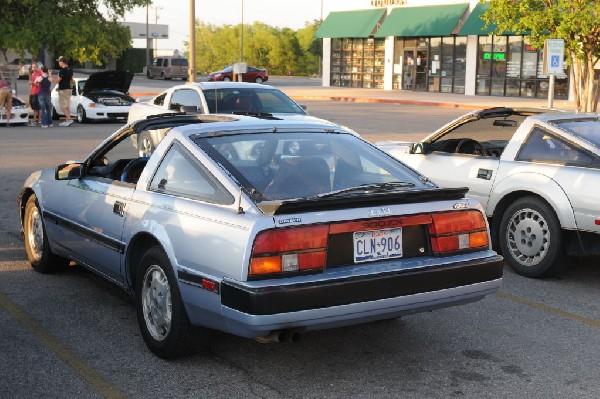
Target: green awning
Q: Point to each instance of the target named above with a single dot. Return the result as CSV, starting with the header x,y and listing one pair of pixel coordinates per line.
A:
x,y
422,21
357,23
474,25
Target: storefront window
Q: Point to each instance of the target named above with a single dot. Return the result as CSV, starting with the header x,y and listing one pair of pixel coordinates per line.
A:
x,y
435,64
357,62
460,62
484,66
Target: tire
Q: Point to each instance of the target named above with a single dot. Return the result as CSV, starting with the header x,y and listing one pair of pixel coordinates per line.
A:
x,y
258,79
81,118
145,144
226,79
37,248
162,75
531,238
161,315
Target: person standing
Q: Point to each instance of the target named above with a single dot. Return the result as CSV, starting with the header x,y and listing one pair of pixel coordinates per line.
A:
x,y
65,76
33,94
43,82
6,99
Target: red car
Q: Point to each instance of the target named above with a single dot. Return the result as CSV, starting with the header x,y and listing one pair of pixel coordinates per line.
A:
x,y
256,75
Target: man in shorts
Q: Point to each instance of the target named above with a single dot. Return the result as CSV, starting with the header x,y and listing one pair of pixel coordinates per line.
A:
x,y
33,96
6,99
65,76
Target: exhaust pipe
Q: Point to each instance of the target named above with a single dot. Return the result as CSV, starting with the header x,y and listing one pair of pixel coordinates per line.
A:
x,y
279,336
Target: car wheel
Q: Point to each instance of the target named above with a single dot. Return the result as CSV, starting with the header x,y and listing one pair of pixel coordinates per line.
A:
x,y
531,238
36,242
258,79
145,144
226,79
161,315
162,75
81,118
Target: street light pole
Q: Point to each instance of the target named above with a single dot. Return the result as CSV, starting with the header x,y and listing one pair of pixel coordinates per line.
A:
x,y
147,35
242,35
192,71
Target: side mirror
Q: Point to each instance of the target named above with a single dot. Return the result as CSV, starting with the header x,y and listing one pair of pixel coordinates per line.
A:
x,y
303,106
68,171
417,148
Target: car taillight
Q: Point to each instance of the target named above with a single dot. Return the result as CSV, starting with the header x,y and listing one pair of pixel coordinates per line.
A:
x,y
289,250
458,231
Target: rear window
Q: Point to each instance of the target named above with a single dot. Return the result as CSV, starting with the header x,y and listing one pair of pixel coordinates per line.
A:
x,y
179,62
302,165
256,100
586,129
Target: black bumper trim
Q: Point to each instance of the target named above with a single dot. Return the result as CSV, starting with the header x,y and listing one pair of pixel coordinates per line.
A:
x,y
283,299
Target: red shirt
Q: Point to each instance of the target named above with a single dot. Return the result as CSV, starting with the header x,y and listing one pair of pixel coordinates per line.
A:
x,y
35,88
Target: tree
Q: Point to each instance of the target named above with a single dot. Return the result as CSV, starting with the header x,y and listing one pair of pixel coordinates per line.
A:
x,y
74,28
575,21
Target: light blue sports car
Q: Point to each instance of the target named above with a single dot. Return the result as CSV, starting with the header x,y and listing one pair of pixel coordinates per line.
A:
x,y
261,228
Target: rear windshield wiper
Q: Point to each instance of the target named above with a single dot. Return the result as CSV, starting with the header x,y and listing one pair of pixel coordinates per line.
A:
x,y
264,115
368,188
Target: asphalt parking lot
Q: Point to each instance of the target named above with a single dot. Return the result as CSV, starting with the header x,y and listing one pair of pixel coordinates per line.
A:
x,y
74,335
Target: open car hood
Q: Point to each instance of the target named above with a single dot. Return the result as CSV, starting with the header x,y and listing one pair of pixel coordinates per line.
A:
x,y
109,80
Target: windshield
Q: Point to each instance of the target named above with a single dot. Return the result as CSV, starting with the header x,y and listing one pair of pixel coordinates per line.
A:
x,y
278,166
254,100
586,129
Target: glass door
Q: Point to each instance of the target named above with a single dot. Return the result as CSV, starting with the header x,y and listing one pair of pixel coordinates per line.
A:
x,y
408,70
421,70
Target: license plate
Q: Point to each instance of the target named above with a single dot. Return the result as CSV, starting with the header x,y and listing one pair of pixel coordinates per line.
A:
x,y
377,244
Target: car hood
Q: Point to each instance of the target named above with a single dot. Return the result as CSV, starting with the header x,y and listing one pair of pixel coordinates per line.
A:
x,y
109,80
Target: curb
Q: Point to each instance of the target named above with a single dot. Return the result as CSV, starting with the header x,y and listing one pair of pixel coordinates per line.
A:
x,y
362,100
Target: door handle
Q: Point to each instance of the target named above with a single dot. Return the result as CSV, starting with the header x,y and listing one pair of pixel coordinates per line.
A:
x,y
484,174
119,208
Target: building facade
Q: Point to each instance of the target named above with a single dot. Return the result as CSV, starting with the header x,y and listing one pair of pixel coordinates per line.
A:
x,y
431,45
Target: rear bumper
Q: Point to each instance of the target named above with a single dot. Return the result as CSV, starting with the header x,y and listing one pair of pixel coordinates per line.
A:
x,y
253,311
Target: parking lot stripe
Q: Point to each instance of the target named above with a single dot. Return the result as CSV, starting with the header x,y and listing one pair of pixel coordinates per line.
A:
x,y
549,309
87,373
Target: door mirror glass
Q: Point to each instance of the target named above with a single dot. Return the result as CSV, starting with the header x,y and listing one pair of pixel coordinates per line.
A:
x,y
68,171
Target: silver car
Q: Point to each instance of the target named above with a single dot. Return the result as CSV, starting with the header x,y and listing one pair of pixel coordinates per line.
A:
x,y
262,229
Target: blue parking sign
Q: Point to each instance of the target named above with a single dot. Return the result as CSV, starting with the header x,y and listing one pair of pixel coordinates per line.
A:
x,y
555,61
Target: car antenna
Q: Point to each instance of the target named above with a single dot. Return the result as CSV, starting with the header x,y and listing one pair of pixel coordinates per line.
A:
x,y
240,210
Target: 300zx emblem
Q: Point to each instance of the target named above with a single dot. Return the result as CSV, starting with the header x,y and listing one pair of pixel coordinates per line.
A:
x,y
290,220
380,211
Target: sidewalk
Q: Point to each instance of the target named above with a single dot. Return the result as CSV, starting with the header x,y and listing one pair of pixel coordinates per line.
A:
x,y
318,93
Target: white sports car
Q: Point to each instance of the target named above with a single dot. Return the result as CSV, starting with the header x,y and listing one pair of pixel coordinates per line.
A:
x,y
102,96
535,174
19,113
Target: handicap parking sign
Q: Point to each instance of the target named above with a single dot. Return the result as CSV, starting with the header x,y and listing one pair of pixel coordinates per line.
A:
x,y
555,61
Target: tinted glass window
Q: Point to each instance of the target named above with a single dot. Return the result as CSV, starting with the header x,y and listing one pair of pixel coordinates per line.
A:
x,y
233,100
160,100
185,98
544,147
587,129
180,174
179,62
300,165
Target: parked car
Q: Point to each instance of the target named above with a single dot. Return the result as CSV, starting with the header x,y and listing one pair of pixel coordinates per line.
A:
x,y
261,101
24,66
101,96
168,68
255,75
534,173
19,113
259,228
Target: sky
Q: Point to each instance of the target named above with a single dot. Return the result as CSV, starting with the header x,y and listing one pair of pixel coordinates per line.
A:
x,y
279,13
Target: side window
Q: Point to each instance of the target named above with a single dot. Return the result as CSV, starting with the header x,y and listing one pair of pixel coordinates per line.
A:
x,y
185,98
181,175
160,100
544,147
